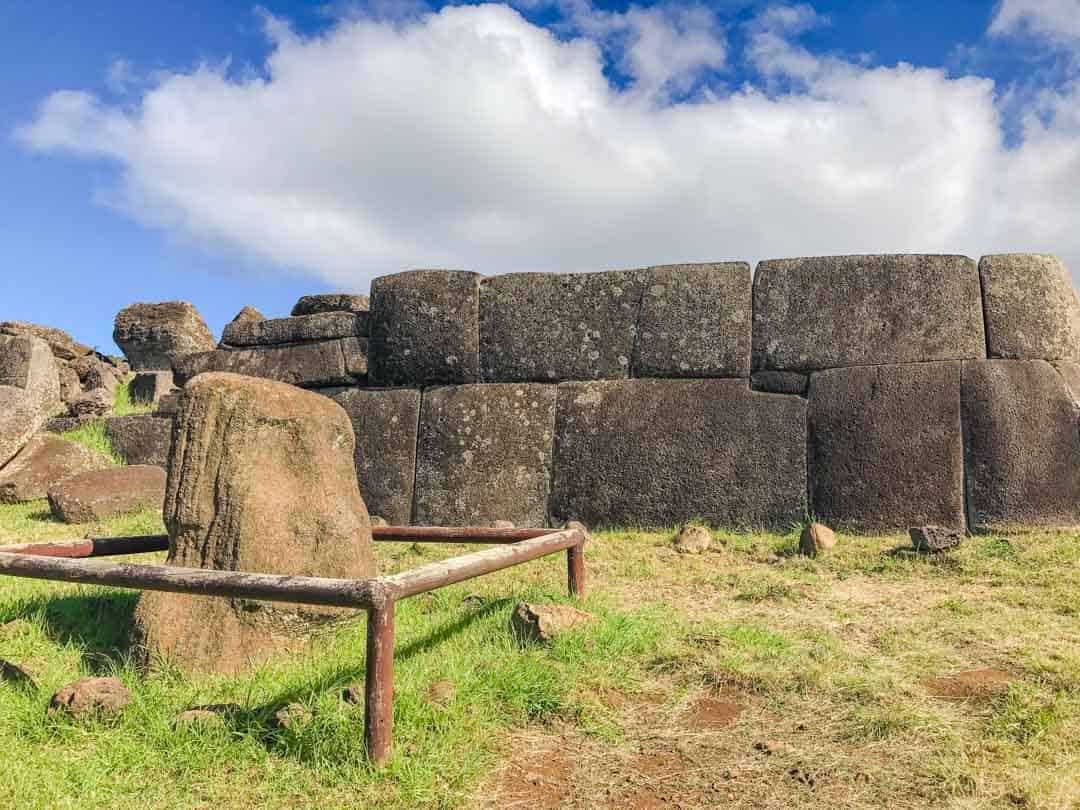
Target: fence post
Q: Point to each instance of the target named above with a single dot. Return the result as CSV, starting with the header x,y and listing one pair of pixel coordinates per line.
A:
x,y
575,570
379,683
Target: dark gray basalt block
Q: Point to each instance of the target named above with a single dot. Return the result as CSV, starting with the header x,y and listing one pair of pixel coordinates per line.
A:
x,y
547,327
1031,308
835,311
885,446
331,302
1023,446
151,386
484,454
141,438
695,321
424,328
385,424
308,365
780,382
301,329
661,452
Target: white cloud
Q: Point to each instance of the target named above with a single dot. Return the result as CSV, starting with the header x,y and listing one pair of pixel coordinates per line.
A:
x,y
1058,20
472,138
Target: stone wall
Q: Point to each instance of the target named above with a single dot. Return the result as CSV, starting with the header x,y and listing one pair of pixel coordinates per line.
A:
x,y
876,392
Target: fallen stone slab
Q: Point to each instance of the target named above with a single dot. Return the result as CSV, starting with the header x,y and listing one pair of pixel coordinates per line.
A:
x,y
61,344
300,329
44,461
424,328
141,438
385,426
780,382
695,321
307,365
540,624
663,452
102,494
20,418
151,386
1031,308
262,479
885,446
27,363
90,697
816,539
548,327
331,302
484,454
152,336
932,539
1023,446
833,311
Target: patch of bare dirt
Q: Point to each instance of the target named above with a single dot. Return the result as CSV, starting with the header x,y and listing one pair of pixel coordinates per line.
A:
x,y
972,684
708,714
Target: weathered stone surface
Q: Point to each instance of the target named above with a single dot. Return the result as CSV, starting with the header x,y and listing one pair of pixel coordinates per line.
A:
x,y
261,479
780,382
95,372
16,675
291,717
540,624
331,302
547,327
695,321
301,329
661,452
693,540
815,539
1023,446
833,311
385,423
1070,374
141,438
152,336
20,419
935,538
1031,308
424,328
308,365
247,315
61,344
484,454
168,404
885,446
87,697
97,402
44,461
151,386
102,494
27,363
70,384
62,424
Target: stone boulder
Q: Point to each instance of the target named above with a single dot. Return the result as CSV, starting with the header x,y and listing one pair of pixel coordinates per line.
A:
x,y
331,302
140,438
46,460
885,446
20,419
1031,308
152,336
261,478
484,453
301,329
96,402
424,328
547,327
932,539
307,365
695,321
693,539
90,697
385,426
816,539
102,494
61,344
151,386
662,452
1023,446
833,311
248,315
29,391
540,624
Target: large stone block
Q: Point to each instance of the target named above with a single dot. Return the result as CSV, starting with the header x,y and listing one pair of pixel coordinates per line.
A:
x,y
152,336
834,311
547,327
385,423
45,461
885,446
301,329
29,391
484,454
695,321
1031,308
660,452
331,302
308,365
1023,446
101,494
141,438
261,479
151,386
424,328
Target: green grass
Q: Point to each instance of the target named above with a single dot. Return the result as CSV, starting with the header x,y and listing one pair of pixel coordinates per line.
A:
x,y
93,436
126,406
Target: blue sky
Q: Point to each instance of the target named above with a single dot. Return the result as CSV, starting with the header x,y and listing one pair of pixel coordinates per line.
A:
x,y
383,136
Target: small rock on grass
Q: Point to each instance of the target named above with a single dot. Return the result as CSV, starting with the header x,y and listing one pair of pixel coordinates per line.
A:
x,y
693,540
88,697
931,539
205,715
16,674
353,693
816,538
441,692
541,623
291,717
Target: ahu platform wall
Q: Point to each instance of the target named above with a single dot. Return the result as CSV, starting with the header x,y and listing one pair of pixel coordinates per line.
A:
x,y
877,392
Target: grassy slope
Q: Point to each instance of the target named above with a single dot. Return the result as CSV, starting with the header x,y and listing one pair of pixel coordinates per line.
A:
x,y
828,656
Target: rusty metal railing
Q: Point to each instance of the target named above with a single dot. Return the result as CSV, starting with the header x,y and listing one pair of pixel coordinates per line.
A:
x,y
64,562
